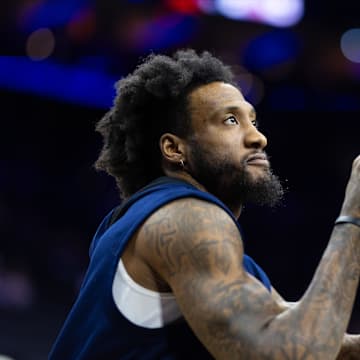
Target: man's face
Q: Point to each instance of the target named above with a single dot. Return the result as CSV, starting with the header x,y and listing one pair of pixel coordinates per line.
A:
x,y
226,148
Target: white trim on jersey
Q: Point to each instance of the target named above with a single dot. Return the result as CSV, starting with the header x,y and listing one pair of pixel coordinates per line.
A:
x,y
141,306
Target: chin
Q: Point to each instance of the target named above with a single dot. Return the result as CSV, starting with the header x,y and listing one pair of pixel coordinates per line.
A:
x,y
258,173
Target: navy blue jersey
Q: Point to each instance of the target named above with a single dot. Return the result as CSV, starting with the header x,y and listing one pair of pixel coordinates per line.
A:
x,y
95,328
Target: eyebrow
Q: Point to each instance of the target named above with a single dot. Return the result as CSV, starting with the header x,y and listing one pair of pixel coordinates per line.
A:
x,y
237,108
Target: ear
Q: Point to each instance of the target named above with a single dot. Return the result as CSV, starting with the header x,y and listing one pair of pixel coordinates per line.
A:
x,y
172,148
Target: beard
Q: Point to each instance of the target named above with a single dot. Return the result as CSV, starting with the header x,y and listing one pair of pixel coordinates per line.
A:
x,y
233,183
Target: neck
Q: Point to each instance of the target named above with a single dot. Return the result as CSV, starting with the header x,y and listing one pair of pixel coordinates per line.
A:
x,y
227,199
234,206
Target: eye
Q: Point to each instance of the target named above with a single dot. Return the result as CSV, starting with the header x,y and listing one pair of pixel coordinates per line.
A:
x,y
231,120
255,123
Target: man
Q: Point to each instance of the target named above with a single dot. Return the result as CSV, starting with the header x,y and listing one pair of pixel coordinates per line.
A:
x,y
168,277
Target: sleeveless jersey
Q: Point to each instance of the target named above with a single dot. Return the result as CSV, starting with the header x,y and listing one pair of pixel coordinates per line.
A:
x,y
95,329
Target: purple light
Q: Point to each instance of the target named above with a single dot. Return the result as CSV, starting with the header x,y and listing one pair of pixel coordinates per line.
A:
x,y
350,45
280,13
43,14
162,32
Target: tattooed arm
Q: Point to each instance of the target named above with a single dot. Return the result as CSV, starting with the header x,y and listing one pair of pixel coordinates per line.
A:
x,y
197,249
350,347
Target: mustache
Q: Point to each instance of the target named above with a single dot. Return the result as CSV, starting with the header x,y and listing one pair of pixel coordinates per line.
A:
x,y
261,155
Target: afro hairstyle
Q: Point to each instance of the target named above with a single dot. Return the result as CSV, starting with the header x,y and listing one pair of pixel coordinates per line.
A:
x,y
150,102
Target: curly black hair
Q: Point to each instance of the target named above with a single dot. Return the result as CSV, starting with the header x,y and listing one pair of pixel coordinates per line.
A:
x,y
149,102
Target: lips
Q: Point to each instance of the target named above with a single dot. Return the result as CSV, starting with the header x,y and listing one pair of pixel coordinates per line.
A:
x,y
258,159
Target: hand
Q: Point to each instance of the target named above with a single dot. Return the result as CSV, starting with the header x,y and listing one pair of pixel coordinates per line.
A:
x,y
351,204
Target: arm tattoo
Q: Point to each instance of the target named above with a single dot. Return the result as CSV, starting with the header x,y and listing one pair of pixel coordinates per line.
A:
x,y
197,248
350,349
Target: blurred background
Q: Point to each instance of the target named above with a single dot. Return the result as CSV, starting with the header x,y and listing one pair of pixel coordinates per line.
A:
x,y
297,61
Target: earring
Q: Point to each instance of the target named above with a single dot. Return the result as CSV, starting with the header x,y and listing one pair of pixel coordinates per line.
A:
x,y
182,163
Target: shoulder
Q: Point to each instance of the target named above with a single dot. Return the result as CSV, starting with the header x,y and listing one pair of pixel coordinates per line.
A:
x,y
188,209
187,217
188,233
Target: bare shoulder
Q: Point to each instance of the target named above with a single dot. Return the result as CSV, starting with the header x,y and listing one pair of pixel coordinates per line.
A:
x,y
196,248
191,235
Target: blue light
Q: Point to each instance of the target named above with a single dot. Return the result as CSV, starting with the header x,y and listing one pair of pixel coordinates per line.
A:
x,y
53,13
70,84
270,49
164,32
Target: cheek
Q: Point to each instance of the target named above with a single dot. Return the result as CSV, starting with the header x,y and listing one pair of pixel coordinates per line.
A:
x,y
234,148
223,146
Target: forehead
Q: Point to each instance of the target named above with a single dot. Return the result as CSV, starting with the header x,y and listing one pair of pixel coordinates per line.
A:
x,y
216,91
210,98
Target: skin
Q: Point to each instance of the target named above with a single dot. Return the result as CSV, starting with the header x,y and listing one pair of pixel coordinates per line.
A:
x,y
194,249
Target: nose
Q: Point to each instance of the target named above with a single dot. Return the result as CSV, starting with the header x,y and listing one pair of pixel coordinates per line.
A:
x,y
254,138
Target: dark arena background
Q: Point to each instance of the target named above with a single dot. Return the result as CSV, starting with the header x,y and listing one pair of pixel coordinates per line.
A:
x,y
297,61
